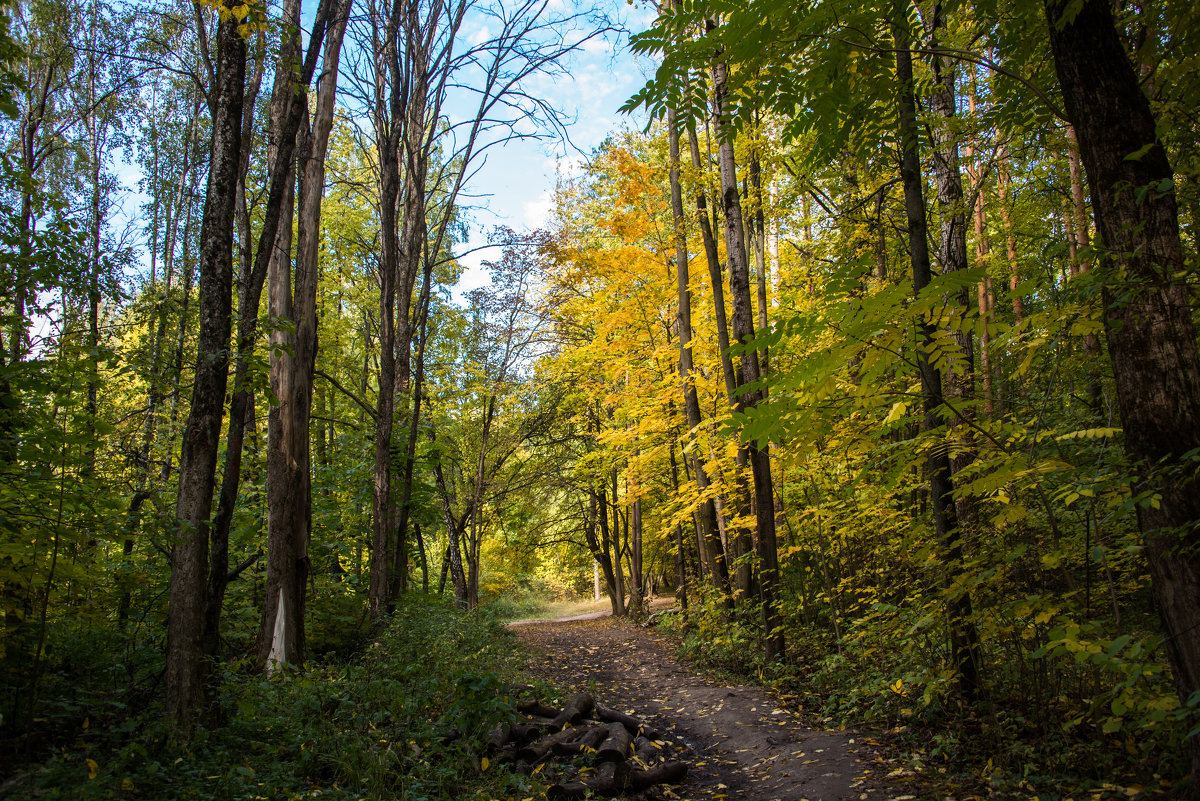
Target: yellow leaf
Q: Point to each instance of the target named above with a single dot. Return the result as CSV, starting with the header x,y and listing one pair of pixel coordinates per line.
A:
x,y
127,784
92,768
896,687
483,764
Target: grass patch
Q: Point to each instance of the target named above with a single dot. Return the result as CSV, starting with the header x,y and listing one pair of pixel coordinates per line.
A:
x,y
536,607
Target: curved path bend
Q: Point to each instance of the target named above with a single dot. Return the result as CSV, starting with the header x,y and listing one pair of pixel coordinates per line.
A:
x,y
740,741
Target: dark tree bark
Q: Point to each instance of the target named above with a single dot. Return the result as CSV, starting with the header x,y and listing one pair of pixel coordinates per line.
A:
x,y
1147,314
748,399
281,635
186,664
963,637
681,592
610,547
599,547
388,130
615,536
637,590
241,405
952,246
742,578
400,582
709,533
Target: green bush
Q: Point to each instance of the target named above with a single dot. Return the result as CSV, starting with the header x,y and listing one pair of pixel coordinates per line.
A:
x,y
403,719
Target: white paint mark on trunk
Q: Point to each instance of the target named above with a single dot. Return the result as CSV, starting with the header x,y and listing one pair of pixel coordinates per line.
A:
x,y
278,655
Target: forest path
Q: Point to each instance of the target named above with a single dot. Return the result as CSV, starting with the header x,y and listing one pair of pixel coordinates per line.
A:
x,y
743,744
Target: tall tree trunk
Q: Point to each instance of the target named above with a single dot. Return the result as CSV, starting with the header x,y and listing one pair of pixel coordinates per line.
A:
x,y
388,130
618,542
742,579
186,663
281,635
610,549
743,332
1147,314
249,289
415,146
600,547
414,420
963,637
952,248
709,534
288,105
637,582
758,235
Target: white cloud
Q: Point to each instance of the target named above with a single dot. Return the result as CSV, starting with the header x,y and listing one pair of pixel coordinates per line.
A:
x,y
536,213
479,35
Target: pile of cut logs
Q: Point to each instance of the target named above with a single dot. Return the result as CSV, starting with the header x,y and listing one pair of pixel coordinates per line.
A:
x,y
603,750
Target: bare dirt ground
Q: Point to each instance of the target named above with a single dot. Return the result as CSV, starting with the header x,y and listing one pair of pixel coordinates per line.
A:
x,y
740,741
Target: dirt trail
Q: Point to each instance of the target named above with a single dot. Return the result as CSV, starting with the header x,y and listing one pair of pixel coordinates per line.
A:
x,y
743,744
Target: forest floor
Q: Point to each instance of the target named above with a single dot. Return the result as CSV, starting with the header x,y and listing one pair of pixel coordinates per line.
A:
x,y
740,741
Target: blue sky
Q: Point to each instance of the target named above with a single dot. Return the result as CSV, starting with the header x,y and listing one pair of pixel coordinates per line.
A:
x,y
516,185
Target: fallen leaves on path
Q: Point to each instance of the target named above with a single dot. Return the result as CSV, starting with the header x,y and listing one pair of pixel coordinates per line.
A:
x,y
741,742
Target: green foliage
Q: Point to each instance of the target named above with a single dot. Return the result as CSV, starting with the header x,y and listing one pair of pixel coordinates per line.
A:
x,y
402,719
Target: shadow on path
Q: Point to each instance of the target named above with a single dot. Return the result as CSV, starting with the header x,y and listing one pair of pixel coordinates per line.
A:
x,y
744,744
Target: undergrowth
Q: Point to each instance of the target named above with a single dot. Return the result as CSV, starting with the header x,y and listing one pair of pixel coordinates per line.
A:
x,y
1100,723
403,718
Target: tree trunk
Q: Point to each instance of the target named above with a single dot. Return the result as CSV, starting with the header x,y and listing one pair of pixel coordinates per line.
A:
x,y
681,593
707,510
743,332
1147,315
611,557
742,579
599,547
252,275
637,589
388,132
952,250
619,543
281,636
186,663
410,450
963,637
